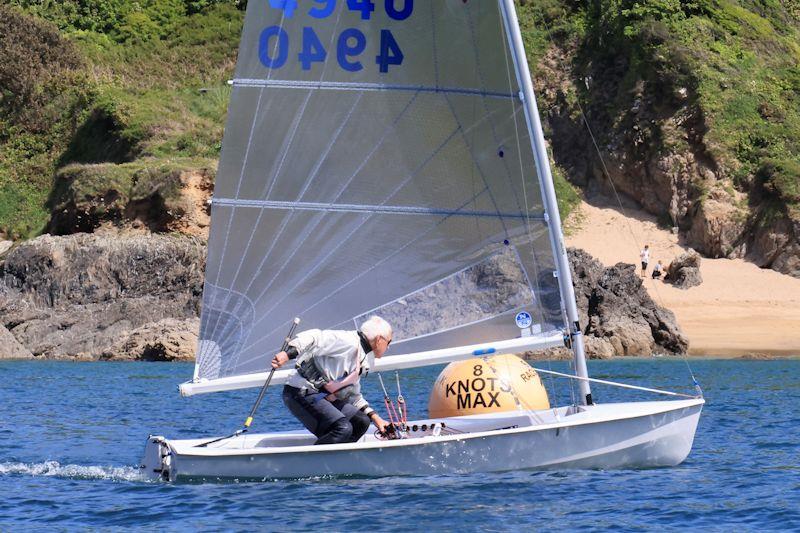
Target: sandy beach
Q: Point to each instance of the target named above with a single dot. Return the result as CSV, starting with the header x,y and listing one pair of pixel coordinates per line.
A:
x,y
738,310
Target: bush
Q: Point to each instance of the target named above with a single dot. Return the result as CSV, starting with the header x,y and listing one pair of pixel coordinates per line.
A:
x,y
36,65
781,177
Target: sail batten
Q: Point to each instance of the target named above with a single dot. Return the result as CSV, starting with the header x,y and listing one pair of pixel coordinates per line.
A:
x,y
377,209
374,164
351,86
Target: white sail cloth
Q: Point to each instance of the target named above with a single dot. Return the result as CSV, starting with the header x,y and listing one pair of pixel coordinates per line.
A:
x,y
373,160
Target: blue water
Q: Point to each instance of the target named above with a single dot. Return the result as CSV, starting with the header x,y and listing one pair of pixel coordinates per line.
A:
x,y
72,433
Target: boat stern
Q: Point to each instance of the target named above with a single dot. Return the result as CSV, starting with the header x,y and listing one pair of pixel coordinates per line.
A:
x,y
157,460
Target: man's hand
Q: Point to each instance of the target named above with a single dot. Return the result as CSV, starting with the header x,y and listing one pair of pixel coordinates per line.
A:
x,y
279,360
379,422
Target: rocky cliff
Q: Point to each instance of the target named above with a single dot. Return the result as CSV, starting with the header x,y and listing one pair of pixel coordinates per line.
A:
x,y
91,296
84,295
691,110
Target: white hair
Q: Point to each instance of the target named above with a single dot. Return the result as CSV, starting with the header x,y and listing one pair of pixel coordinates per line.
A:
x,y
375,327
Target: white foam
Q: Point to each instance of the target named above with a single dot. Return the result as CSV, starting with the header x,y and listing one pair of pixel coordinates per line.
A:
x,y
55,469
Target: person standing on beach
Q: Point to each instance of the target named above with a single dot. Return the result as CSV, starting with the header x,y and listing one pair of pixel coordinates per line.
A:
x,y
645,257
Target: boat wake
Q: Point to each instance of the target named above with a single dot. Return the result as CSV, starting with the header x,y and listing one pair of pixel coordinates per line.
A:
x,y
55,469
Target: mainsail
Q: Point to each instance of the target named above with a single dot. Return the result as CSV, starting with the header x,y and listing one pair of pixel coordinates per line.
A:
x,y
376,160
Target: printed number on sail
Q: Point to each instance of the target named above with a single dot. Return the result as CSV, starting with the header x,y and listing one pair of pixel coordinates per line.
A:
x,y
325,8
274,44
313,50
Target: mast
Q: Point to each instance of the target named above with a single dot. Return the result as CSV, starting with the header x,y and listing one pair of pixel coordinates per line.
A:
x,y
548,193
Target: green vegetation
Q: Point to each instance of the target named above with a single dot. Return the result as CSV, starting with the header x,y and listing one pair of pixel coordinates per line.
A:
x,y
139,84
733,62
116,185
107,81
566,194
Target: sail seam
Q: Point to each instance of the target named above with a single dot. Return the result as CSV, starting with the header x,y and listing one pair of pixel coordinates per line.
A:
x,y
284,223
288,144
385,259
366,208
377,87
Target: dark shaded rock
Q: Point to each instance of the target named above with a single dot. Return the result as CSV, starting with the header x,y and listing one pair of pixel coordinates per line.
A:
x,y
80,295
776,245
616,309
718,227
684,271
86,268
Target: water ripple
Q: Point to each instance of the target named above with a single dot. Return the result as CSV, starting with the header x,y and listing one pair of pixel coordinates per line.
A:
x,y
70,433
54,469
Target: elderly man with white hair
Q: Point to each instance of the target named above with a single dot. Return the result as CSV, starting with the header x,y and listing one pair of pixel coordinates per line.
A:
x,y
324,391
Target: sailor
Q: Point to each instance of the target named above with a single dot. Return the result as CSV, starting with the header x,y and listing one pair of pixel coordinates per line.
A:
x,y
324,390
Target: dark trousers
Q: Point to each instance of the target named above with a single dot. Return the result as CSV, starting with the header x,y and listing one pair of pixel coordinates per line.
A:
x,y
332,422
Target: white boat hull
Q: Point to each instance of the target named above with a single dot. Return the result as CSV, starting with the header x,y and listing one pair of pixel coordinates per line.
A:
x,y
608,436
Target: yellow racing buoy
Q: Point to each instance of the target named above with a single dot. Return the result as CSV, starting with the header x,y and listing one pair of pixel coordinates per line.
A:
x,y
487,385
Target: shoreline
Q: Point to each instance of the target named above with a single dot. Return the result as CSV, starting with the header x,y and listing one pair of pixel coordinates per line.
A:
x,y
749,356
740,310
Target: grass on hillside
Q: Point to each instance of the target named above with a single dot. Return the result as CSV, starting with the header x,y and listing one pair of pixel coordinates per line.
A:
x,y
152,85
146,101
132,181
739,59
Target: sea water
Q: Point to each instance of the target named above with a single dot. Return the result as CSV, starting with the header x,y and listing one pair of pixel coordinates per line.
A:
x,y
72,434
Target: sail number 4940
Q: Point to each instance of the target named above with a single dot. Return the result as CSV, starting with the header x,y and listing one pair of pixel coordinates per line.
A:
x,y
324,8
274,42
273,49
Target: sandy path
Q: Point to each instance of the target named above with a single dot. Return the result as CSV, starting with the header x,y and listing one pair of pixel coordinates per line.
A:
x,y
738,309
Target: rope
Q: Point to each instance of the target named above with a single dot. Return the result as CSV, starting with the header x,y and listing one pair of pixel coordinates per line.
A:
x,y
616,384
393,418
527,210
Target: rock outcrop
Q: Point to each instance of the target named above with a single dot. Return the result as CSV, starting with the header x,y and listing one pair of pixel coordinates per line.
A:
x,y
77,296
654,148
616,309
10,348
166,340
89,296
773,246
158,198
684,271
617,314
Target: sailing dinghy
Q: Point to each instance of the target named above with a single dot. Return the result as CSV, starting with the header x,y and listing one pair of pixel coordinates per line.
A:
x,y
376,153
